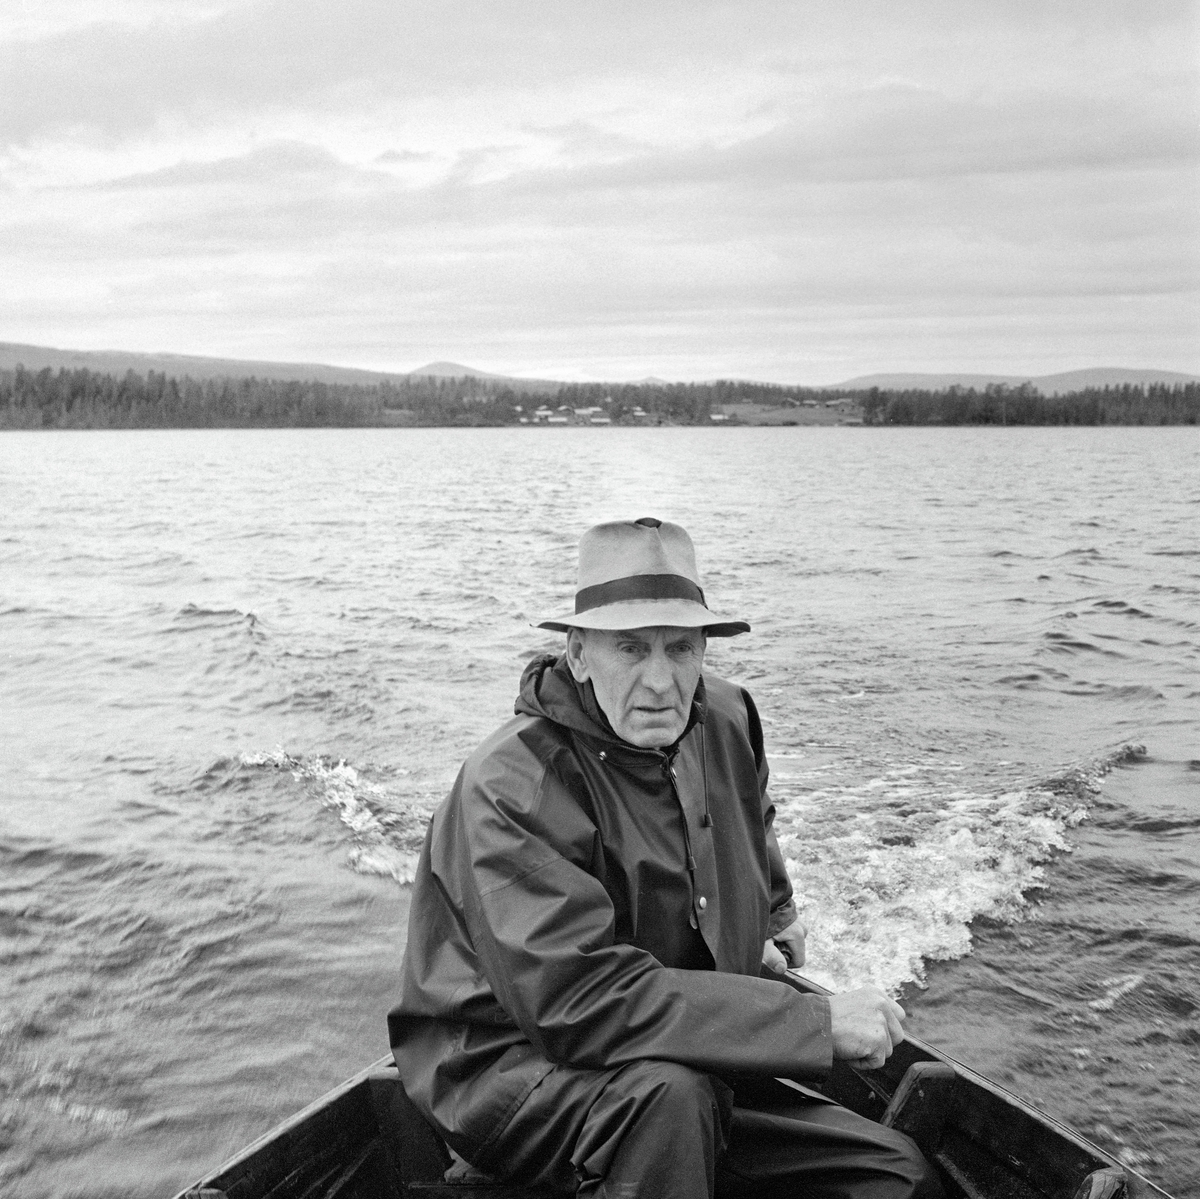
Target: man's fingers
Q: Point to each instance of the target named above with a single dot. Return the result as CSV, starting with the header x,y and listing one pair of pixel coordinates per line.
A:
x,y
894,1028
874,1062
866,1026
793,951
790,942
892,1014
773,959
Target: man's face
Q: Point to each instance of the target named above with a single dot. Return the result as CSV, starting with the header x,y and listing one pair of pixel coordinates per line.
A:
x,y
644,678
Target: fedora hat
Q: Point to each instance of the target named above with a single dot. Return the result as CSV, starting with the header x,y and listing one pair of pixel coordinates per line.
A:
x,y
637,573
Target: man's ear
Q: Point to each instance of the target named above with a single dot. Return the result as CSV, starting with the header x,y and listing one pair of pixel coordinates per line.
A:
x,y
577,655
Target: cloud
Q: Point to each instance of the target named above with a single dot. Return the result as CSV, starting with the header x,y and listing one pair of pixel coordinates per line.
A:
x,y
280,163
404,157
202,62
748,183
122,77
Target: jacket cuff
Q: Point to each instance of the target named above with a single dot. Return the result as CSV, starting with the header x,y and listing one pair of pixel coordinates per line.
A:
x,y
781,917
815,1029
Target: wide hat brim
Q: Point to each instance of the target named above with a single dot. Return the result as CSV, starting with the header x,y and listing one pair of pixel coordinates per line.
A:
x,y
640,574
645,614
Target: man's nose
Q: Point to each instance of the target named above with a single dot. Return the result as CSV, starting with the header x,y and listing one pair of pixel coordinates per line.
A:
x,y
656,671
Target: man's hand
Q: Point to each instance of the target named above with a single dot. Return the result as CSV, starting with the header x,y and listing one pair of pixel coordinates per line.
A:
x,y
785,948
866,1026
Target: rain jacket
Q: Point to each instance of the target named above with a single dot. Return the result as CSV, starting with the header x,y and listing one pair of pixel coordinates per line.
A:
x,y
583,902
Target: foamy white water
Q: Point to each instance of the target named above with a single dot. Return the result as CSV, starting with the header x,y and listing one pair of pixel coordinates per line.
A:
x,y
240,668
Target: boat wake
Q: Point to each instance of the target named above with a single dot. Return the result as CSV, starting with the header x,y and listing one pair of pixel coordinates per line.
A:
x,y
386,826
890,873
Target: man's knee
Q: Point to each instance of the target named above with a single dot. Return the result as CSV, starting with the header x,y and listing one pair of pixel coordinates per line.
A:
x,y
656,1117
911,1169
682,1101
819,1149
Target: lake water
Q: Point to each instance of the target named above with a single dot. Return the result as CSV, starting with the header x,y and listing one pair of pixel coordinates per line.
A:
x,y
238,670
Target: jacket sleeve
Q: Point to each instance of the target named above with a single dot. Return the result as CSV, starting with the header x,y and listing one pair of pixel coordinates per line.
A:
x,y
783,907
544,931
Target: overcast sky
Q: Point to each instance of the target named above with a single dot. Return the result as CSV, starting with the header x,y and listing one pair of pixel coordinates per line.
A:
x,y
788,191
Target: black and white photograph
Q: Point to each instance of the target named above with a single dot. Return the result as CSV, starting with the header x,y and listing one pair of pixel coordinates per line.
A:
x,y
599,599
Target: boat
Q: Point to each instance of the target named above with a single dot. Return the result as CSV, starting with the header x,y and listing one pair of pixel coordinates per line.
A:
x,y
366,1140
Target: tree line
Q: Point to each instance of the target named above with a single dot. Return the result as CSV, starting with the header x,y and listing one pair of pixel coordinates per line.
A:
x,y
1000,404
87,399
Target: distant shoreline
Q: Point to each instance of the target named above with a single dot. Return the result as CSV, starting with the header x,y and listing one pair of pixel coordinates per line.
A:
x,y
81,398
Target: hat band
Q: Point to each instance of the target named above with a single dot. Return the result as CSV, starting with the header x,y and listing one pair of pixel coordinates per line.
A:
x,y
637,587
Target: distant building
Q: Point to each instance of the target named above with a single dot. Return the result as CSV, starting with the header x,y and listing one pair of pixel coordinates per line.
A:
x,y
717,416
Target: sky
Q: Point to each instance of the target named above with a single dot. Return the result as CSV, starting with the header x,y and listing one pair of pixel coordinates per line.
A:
x,y
602,189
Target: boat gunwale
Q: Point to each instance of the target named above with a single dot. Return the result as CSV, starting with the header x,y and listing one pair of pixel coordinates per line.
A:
x,y
386,1067
289,1123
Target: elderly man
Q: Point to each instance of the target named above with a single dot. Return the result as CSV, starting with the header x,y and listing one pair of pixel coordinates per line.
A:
x,y
583,1001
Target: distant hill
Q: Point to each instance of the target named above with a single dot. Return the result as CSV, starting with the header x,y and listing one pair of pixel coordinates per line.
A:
x,y
454,370
117,362
1111,376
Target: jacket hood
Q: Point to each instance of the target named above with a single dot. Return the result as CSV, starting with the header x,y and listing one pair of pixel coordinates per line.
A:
x,y
548,689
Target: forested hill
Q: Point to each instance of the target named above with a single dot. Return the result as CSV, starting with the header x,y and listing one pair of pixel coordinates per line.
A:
x,y
88,399
997,404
